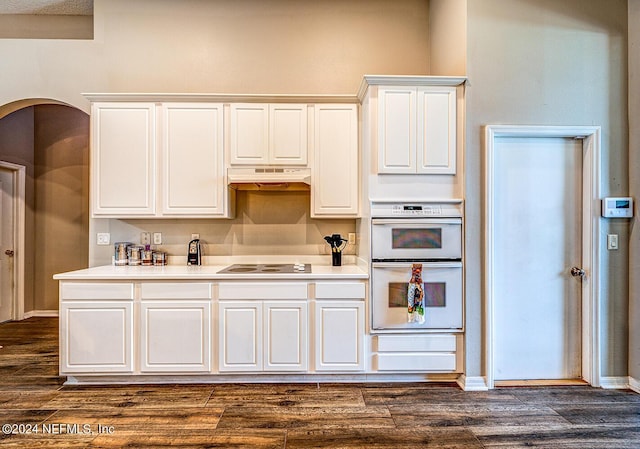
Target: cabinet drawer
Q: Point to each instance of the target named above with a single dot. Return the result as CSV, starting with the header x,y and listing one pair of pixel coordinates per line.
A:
x,y
96,290
415,362
340,290
176,290
416,343
262,290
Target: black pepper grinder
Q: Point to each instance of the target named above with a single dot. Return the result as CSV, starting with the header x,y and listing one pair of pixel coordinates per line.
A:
x,y
337,244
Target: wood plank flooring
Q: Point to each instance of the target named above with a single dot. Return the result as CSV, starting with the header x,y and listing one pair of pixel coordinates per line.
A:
x,y
292,416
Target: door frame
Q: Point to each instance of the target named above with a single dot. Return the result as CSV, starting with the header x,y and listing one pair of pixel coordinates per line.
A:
x,y
590,137
19,223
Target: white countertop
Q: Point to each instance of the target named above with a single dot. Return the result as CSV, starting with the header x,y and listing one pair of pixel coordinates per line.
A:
x,y
208,272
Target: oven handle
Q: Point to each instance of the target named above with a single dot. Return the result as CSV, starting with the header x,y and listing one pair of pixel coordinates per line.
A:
x,y
405,221
426,265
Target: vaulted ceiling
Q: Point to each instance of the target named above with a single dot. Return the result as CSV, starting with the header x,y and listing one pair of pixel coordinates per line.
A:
x,y
38,7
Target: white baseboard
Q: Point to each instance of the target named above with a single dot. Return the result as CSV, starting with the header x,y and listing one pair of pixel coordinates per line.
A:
x,y
41,313
614,383
634,384
472,383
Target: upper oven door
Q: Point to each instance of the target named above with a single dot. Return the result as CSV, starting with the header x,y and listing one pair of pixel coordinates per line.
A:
x,y
416,239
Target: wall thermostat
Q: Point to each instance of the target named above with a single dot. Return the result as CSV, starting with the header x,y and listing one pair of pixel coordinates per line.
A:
x,y
618,207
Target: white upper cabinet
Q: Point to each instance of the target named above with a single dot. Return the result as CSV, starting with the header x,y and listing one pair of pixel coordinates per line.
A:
x,y
192,159
158,161
264,134
436,130
123,159
249,134
288,134
417,129
335,173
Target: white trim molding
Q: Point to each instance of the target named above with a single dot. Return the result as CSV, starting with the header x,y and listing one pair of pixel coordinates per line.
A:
x,y
42,314
472,383
19,230
614,383
634,384
590,136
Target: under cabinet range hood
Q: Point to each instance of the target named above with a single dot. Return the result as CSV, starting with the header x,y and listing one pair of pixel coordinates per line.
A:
x,y
269,178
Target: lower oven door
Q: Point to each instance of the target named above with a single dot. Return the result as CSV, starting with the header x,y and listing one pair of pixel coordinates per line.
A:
x,y
443,296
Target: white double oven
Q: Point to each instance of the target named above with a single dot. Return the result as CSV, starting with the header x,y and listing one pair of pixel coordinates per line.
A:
x,y
427,233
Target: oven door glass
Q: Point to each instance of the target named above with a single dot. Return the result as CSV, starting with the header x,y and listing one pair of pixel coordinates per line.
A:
x,y
418,239
443,296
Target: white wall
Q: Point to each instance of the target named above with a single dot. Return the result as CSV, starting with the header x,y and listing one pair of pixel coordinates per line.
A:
x,y
545,62
448,37
222,46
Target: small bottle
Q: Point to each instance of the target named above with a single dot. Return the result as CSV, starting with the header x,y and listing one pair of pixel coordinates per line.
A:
x,y
147,256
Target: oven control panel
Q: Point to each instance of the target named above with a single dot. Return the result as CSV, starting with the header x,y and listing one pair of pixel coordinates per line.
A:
x,y
412,209
415,209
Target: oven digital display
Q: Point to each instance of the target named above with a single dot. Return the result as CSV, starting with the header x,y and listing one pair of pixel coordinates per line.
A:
x,y
416,238
434,294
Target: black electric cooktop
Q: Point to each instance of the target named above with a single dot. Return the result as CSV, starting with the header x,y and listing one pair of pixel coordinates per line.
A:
x,y
266,268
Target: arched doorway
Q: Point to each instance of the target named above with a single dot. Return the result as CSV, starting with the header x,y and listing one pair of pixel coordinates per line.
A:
x,y
51,140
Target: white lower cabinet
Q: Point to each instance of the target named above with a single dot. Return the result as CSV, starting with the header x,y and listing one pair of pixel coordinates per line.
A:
x,y
263,335
421,353
339,326
175,327
240,340
263,326
96,328
285,332
339,332
96,337
175,336
155,327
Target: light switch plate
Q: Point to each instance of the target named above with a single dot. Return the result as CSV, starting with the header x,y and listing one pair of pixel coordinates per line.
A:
x,y
145,238
103,238
612,241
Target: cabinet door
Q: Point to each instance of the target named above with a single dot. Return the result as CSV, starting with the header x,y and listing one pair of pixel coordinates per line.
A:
x,y
175,336
397,130
436,130
96,337
335,163
339,334
240,335
192,159
249,134
285,342
123,159
288,134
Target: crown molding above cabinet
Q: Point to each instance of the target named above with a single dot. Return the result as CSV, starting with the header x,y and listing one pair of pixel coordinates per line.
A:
x,y
402,80
220,98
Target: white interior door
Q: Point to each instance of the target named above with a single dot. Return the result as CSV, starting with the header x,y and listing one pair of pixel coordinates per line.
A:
x,y
538,239
6,243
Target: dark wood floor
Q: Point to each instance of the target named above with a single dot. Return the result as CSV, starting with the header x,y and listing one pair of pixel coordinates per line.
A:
x,y
291,416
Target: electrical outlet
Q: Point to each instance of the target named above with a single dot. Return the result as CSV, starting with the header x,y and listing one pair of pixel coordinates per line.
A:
x,y
145,238
157,238
195,236
103,238
352,238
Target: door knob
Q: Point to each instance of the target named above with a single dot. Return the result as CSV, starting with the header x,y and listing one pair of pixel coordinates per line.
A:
x,y
9,252
578,272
